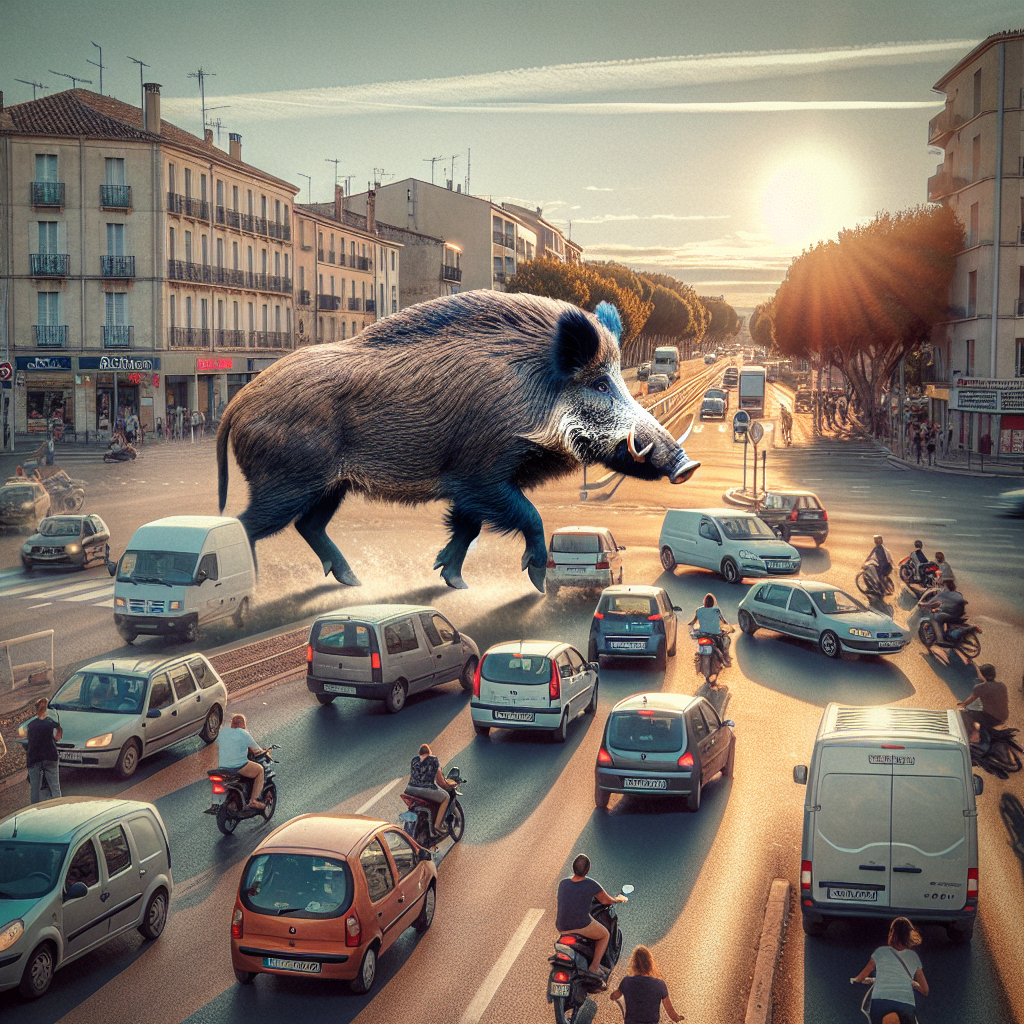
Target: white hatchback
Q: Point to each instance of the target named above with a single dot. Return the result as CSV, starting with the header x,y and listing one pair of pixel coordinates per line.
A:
x,y
583,556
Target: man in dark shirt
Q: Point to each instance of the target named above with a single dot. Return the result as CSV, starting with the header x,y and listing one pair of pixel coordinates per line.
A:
x,y
41,754
995,703
575,896
948,606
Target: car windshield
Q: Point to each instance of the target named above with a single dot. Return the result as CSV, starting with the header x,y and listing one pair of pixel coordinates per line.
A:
x,y
836,602
60,527
743,529
628,606
516,668
16,493
652,732
29,870
296,885
778,502
576,543
714,393
343,639
105,692
158,566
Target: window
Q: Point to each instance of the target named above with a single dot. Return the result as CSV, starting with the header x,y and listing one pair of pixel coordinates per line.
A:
x,y
976,106
564,666
576,543
252,317
400,637
976,158
248,198
188,310
1020,357
972,293
114,170
576,661
302,279
277,264
204,306
249,248
206,250
374,863
709,531
220,314
264,318
208,564
173,307
972,238
48,236
969,357
263,261
46,167
277,319
114,844
188,246
234,255
402,853
172,246
171,178
182,681
315,887
84,867
352,259
499,264
220,252
234,198
286,274
394,298
220,192
148,840
801,603
204,675
48,309
202,187
700,727
392,259
188,182
234,316
710,716
288,320
652,732
438,629
773,594
263,207
117,309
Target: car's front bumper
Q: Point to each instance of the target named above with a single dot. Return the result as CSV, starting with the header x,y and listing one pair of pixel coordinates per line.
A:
x,y
153,625
859,646
486,715
62,561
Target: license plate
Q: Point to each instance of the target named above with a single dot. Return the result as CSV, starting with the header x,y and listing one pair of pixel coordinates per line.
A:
x,y
302,966
581,569
71,756
515,716
628,645
645,784
777,565
557,988
338,688
890,643
854,895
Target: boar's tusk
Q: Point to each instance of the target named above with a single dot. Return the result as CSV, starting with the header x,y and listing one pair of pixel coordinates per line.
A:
x,y
686,433
640,456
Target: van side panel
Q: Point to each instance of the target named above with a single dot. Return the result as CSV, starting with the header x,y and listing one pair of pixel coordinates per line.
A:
x,y
679,532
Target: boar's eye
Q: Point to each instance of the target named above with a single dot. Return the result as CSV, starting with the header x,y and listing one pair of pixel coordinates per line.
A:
x,y
602,385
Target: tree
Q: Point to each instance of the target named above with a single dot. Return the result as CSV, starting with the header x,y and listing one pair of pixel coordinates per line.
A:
x,y
552,278
761,325
622,276
724,319
633,310
671,315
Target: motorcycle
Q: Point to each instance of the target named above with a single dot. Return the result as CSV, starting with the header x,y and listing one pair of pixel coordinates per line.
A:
x,y
960,635
997,751
570,981
231,793
418,820
123,454
709,660
872,584
919,577
66,495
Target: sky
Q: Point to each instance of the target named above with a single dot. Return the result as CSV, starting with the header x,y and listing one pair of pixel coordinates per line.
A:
x,y
712,141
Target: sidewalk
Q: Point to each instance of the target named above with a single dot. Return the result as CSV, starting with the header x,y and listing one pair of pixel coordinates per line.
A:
x,y
960,463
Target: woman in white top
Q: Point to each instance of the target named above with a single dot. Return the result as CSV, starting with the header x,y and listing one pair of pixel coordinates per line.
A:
x,y
898,976
710,620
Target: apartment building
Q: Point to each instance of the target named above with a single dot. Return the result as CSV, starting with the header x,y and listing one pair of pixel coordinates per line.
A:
x,y
977,359
140,265
551,241
431,267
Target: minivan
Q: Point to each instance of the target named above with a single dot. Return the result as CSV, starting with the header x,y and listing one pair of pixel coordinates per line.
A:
x,y
586,557
732,543
77,872
890,822
385,652
180,573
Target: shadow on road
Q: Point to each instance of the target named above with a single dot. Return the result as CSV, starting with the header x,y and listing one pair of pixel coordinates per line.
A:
x,y
814,561
1012,812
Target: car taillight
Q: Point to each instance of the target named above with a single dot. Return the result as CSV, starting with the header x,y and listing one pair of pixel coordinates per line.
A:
x,y
551,562
793,516
972,883
805,875
603,562
375,672
686,761
476,679
654,618
598,615
236,923
561,976
555,686
603,757
353,931
218,783
309,659
824,515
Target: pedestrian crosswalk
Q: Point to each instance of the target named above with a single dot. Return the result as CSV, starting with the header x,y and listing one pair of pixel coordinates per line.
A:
x,y
852,452
45,588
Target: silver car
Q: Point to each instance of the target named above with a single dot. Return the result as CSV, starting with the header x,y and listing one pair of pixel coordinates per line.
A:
x,y
115,713
75,873
823,614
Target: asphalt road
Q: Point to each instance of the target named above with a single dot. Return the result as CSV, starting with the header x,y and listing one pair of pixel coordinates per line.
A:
x,y
701,880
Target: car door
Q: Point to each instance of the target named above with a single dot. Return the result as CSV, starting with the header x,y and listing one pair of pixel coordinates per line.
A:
x,y
188,700
803,620
381,889
700,743
583,680
668,615
408,656
614,555
159,730
411,875
568,682
719,737
444,646
709,544
122,891
84,921
211,589
205,680
764,605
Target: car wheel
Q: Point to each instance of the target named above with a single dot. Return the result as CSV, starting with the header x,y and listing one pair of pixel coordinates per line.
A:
x,y
784,533
244,977
363,981
128,635
325,698
155,918
591,708
241,616
693,798
127,760
211,727
559,734
189,633
426,915
468,672
38,973
601,797
828,644
483,731
818,541
668,560
395,700
814,928
730,761
747,623
730,572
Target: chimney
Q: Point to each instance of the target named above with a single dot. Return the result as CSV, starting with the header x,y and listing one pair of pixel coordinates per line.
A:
x,y
339,201
235,146
151,111
208,136
371,211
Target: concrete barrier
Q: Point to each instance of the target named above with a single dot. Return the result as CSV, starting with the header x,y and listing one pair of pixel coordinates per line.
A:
x,y
759,1003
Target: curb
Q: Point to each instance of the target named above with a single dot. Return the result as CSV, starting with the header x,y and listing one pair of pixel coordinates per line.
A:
x,y
950,470
735,496
759,1003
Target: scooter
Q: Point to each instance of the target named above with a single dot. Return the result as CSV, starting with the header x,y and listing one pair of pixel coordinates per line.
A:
x,y
872,584
570,981
231,793
997,751
709,660
919,577
418,820
123,454
961,636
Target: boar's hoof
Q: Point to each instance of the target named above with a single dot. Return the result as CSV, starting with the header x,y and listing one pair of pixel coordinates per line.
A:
x,y
454,579
537,574
344,575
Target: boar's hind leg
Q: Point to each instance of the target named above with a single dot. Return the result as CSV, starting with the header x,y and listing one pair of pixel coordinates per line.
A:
x,y
464,527
312,527
510,511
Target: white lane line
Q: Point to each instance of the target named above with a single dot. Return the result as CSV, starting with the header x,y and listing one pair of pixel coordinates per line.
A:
x,y
869,516
497,973
107,591
104,604
380,792
914,491
4,573
45,604
25,588
71,588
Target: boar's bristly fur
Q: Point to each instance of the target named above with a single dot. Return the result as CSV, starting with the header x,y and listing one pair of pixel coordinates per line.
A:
x,y
470,399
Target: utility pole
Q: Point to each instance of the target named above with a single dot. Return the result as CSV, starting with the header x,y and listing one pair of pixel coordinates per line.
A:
x,y
202,76
75,79
35,85
432,160
142,91
455,156
98,64
467,171
309,186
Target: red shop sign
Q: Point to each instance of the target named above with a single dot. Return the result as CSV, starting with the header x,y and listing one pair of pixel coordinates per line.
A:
x,y
212,365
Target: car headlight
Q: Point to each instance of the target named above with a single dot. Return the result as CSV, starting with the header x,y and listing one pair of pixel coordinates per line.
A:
x,y
119,602
10,934
27,506
73,549
100,741
26,547
860,632
175,606
748,554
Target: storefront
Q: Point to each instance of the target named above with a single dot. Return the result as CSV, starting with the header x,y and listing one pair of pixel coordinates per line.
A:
x,y
137,382
992,409
45,388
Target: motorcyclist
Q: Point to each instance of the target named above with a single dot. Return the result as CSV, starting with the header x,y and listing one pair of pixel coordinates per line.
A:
x,y
945,569
427,782
881,559
947,607
710,620
234,745
918,559
575,896
995,703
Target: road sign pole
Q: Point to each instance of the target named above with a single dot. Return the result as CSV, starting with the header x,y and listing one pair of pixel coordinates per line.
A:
x,y
745,442
755,474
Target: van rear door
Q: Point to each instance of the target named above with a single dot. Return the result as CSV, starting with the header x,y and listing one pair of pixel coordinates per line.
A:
x,y
343,650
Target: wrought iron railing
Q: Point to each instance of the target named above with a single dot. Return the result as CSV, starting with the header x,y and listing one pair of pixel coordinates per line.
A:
x,y
116,197
269,339
117,266
219,214
232,218
329,302
190,337
364,263
49,264
47,193
452,273
229,339
304,297
118,336
355,305
51,335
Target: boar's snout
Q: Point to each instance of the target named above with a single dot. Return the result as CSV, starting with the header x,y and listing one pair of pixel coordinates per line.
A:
x,y
683,468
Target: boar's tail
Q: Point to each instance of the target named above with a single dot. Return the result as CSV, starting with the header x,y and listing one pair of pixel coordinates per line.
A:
x,y
222,458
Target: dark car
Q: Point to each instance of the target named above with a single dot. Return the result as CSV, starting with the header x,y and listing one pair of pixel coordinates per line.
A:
x,y
732,377
795,514
633,622
657,382
712,409
23,502
721,393
663,744
67,542
803,401
643,371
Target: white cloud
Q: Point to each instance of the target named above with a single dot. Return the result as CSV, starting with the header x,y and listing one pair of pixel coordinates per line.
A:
x,y
605,218
737,251
595,188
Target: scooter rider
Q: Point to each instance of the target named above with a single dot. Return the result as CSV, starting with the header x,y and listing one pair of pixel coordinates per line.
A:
x,y
710,620
947,607
995,702
427,782
234,745
918,559
880,558
575,896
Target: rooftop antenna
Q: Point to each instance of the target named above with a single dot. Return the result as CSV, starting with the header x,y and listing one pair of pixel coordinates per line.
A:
x,y
98,64
218,123
467,171
309,186
329,160
432,160
35,85
142,91
348,184
75,79
380,176
202,76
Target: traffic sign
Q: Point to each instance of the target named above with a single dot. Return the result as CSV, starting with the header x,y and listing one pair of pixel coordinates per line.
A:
x,y
6,371
756,432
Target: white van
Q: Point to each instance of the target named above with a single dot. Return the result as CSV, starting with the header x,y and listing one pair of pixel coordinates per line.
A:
x,y
890,823
732,543
180,573
666,361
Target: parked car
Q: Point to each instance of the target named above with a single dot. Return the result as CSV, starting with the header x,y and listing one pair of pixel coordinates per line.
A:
x,y
710,358
385,652
350,887
803,400
1012,502
77,873
795,514
657,382
643,371
23,502
532,684
117,713
731,378
584,557
67,542
634,622
712,409
721,393
663,744
823,614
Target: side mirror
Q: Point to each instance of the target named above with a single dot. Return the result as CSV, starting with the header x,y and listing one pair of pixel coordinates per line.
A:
x,y
979,785
202,576
76,891
111,567
676,608
622,547
153,713
729,722
628,890
456,637
800,774
426,855
594,666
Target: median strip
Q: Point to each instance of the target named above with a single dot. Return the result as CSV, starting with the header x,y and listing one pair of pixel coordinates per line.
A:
x,y
759,1003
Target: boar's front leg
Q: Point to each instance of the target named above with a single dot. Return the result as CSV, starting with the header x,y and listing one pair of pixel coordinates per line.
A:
x,y
510,511
312,527
464,527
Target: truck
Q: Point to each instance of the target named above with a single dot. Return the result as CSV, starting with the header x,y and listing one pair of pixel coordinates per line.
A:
x,y
666,361
751,391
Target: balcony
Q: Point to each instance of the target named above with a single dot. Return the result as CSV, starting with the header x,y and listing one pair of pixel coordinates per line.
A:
x,y
943,184
363,263
49,264
117,266
247,222
118,336
116,197
355,305
229,340
233,219
259,225
48,193
190,337
329,302
942,126
270,339
281,231
219,214
304,297
451,273
181,270
371,306
51,336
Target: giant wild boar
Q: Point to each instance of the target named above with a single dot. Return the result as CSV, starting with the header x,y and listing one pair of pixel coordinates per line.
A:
x,y
470,398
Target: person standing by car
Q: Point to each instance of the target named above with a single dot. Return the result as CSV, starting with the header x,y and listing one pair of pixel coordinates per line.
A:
x,y
995,701
427,782
234,745
41,753
898,976
644,990
575,896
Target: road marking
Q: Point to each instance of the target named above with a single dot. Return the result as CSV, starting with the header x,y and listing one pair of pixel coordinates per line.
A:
x,y
107,591
873,517
45,604
497,973
25,588
70,588
380,792
104,604
4,573
914,491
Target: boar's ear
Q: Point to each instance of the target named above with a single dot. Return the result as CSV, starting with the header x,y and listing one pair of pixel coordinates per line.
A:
x,y
609,318
576,341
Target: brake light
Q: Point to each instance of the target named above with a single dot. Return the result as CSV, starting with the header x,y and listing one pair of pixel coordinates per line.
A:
x,y
476,679
236,923
824,515
309,654
603,757
375,660
567,940
603,564
551,562
793,516
654,618
353,931
561,976
686,761
805,875
218,783
892,746
972,883
555,686
598,615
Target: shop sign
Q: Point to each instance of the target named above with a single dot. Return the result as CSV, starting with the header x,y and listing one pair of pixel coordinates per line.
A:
x,y
973,400
213,365
36,363
1009,384
121,364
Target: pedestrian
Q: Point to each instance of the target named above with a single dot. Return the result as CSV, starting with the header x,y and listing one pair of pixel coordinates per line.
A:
x,y
202,424
898,976
917,443
931,445
131,426
194,425
949,439
41,753
179,423
994,699
49,450
644,990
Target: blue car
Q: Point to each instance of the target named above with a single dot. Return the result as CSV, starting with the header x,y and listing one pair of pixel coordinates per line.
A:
x,y
634,622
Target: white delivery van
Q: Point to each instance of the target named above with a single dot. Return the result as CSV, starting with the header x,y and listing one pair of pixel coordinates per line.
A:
x,y
180,573
890,823
666,361
732,543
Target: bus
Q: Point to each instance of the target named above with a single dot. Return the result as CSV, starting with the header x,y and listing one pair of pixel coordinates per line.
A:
x,y
751,391
666,361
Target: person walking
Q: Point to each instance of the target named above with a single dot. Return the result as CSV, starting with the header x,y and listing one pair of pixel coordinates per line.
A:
x,y
898,976
644,990
202,425
930,445
41,753
917,442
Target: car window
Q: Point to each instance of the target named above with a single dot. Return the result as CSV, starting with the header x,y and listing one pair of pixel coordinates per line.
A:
x,y
433,637
801,603
145,833
700,728
208,563
402,852
576,661
564,668
304,886
84,866
714,723
610,542
647,731
204,674
445,629
161,695
501,667
836,602
708,531
87,530
375,867
182,681
400,637
576,543
114,844
344,639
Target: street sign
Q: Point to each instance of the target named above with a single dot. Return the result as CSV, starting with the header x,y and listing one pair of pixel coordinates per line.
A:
x,y
6,371
756,432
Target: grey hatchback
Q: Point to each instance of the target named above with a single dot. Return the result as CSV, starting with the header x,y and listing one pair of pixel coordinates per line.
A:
x,y
634,622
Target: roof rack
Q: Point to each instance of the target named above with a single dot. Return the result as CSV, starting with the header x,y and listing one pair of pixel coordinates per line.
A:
x,y
891,719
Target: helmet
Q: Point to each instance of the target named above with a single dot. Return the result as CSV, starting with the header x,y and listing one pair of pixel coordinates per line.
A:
x,y
919,544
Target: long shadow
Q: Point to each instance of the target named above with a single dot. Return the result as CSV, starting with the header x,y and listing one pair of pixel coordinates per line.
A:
x,y
956,672
1012,812
814,561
